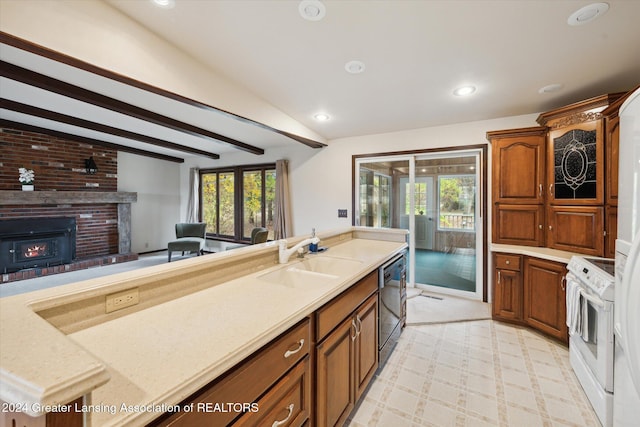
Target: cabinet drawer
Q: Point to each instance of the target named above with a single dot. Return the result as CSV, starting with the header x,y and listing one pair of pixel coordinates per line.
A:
x,y
508,262
287,403
335,311
248,381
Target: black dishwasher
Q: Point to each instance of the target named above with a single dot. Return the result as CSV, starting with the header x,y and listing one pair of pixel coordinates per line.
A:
x,y
391,308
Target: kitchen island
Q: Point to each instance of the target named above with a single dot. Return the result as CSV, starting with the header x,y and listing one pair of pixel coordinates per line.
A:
x,y
189,323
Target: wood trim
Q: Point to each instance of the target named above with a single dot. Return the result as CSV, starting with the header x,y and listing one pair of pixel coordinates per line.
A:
x,y
41,81
11,197
99,127
77,63
511,133
30,128
578,107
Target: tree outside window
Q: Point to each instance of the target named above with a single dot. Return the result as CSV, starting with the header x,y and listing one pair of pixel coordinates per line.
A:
x,y
457,202
236,200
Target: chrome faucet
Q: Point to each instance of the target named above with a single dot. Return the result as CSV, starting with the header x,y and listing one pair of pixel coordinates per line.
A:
x,y
284,253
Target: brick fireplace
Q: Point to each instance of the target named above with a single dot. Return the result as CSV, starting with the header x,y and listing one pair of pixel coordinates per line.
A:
x,y
64,189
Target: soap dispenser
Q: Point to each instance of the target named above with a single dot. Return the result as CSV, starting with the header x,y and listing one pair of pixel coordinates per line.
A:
x,y
313,247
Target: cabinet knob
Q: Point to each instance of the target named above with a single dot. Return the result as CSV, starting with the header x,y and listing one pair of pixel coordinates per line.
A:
x,y
550,228
507,262
540,226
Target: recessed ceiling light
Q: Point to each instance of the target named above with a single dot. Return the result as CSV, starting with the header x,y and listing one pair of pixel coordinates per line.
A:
x,y
354,67
165,4
550,88
464,90
321,117
588,13
312,10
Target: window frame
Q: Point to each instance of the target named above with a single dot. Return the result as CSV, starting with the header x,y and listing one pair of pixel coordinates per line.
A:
x,y
238,199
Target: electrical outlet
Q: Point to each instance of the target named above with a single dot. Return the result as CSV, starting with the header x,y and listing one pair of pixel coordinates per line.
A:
x,y
121,300
342,213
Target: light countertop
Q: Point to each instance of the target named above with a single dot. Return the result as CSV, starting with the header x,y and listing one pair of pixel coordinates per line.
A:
x,y
161,354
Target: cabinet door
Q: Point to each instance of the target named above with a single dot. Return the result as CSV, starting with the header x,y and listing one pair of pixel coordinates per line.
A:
x,y
518,164
334,376
507,294
518,224
611,227
575,159
544,297
576,229
613,159
366,354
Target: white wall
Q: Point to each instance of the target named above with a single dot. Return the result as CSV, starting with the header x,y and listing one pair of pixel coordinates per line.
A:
x,y
321,178
154,215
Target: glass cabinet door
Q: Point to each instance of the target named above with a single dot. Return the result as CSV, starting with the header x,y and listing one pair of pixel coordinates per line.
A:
x,y
575,165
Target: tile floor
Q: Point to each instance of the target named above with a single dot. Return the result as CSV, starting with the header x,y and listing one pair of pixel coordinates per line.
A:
x,y
478,373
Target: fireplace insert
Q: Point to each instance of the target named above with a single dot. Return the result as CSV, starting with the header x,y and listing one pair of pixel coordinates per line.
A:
x,y
36,243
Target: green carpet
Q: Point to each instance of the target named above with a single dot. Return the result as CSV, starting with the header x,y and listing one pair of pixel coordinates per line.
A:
x,y
454,271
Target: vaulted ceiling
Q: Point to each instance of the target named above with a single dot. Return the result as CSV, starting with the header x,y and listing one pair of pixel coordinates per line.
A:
x,y
414,54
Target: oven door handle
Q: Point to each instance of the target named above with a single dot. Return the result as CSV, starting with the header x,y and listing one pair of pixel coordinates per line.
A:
x,y
597,301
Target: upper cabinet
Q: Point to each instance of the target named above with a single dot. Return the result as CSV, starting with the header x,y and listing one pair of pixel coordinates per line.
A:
x,y
550,183
518,165
575,155
518,182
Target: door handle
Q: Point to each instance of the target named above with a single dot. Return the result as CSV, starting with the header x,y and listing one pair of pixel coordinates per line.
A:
x,y
540,190
498,277
551,190
563,283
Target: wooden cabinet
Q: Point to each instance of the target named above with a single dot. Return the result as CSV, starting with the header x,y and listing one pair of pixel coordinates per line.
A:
x,y
544,296
346,357
576,229
530,291
550,183
518,159
507,291
518,224
280,372
518,178
575,164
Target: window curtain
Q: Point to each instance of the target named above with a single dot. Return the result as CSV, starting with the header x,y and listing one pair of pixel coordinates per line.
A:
x,y
193,202
282,224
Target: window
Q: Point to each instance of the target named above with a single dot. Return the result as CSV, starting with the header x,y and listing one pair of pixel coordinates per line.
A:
x,y
235,200
456,194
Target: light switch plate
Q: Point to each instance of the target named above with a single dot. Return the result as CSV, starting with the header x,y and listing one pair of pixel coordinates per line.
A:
x,y
342,213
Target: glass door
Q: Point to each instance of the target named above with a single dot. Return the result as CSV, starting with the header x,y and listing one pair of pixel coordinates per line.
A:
x,y
450,264
436,197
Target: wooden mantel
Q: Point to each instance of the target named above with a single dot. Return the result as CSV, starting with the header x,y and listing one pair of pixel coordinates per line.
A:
x,y
9,197
122,198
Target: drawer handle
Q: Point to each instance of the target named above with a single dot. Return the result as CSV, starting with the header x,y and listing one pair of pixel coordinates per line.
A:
x,y
279,423
290,352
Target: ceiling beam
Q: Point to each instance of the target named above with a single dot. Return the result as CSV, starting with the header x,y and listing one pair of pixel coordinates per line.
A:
x,y
28,46
98,127
41,81
37,129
